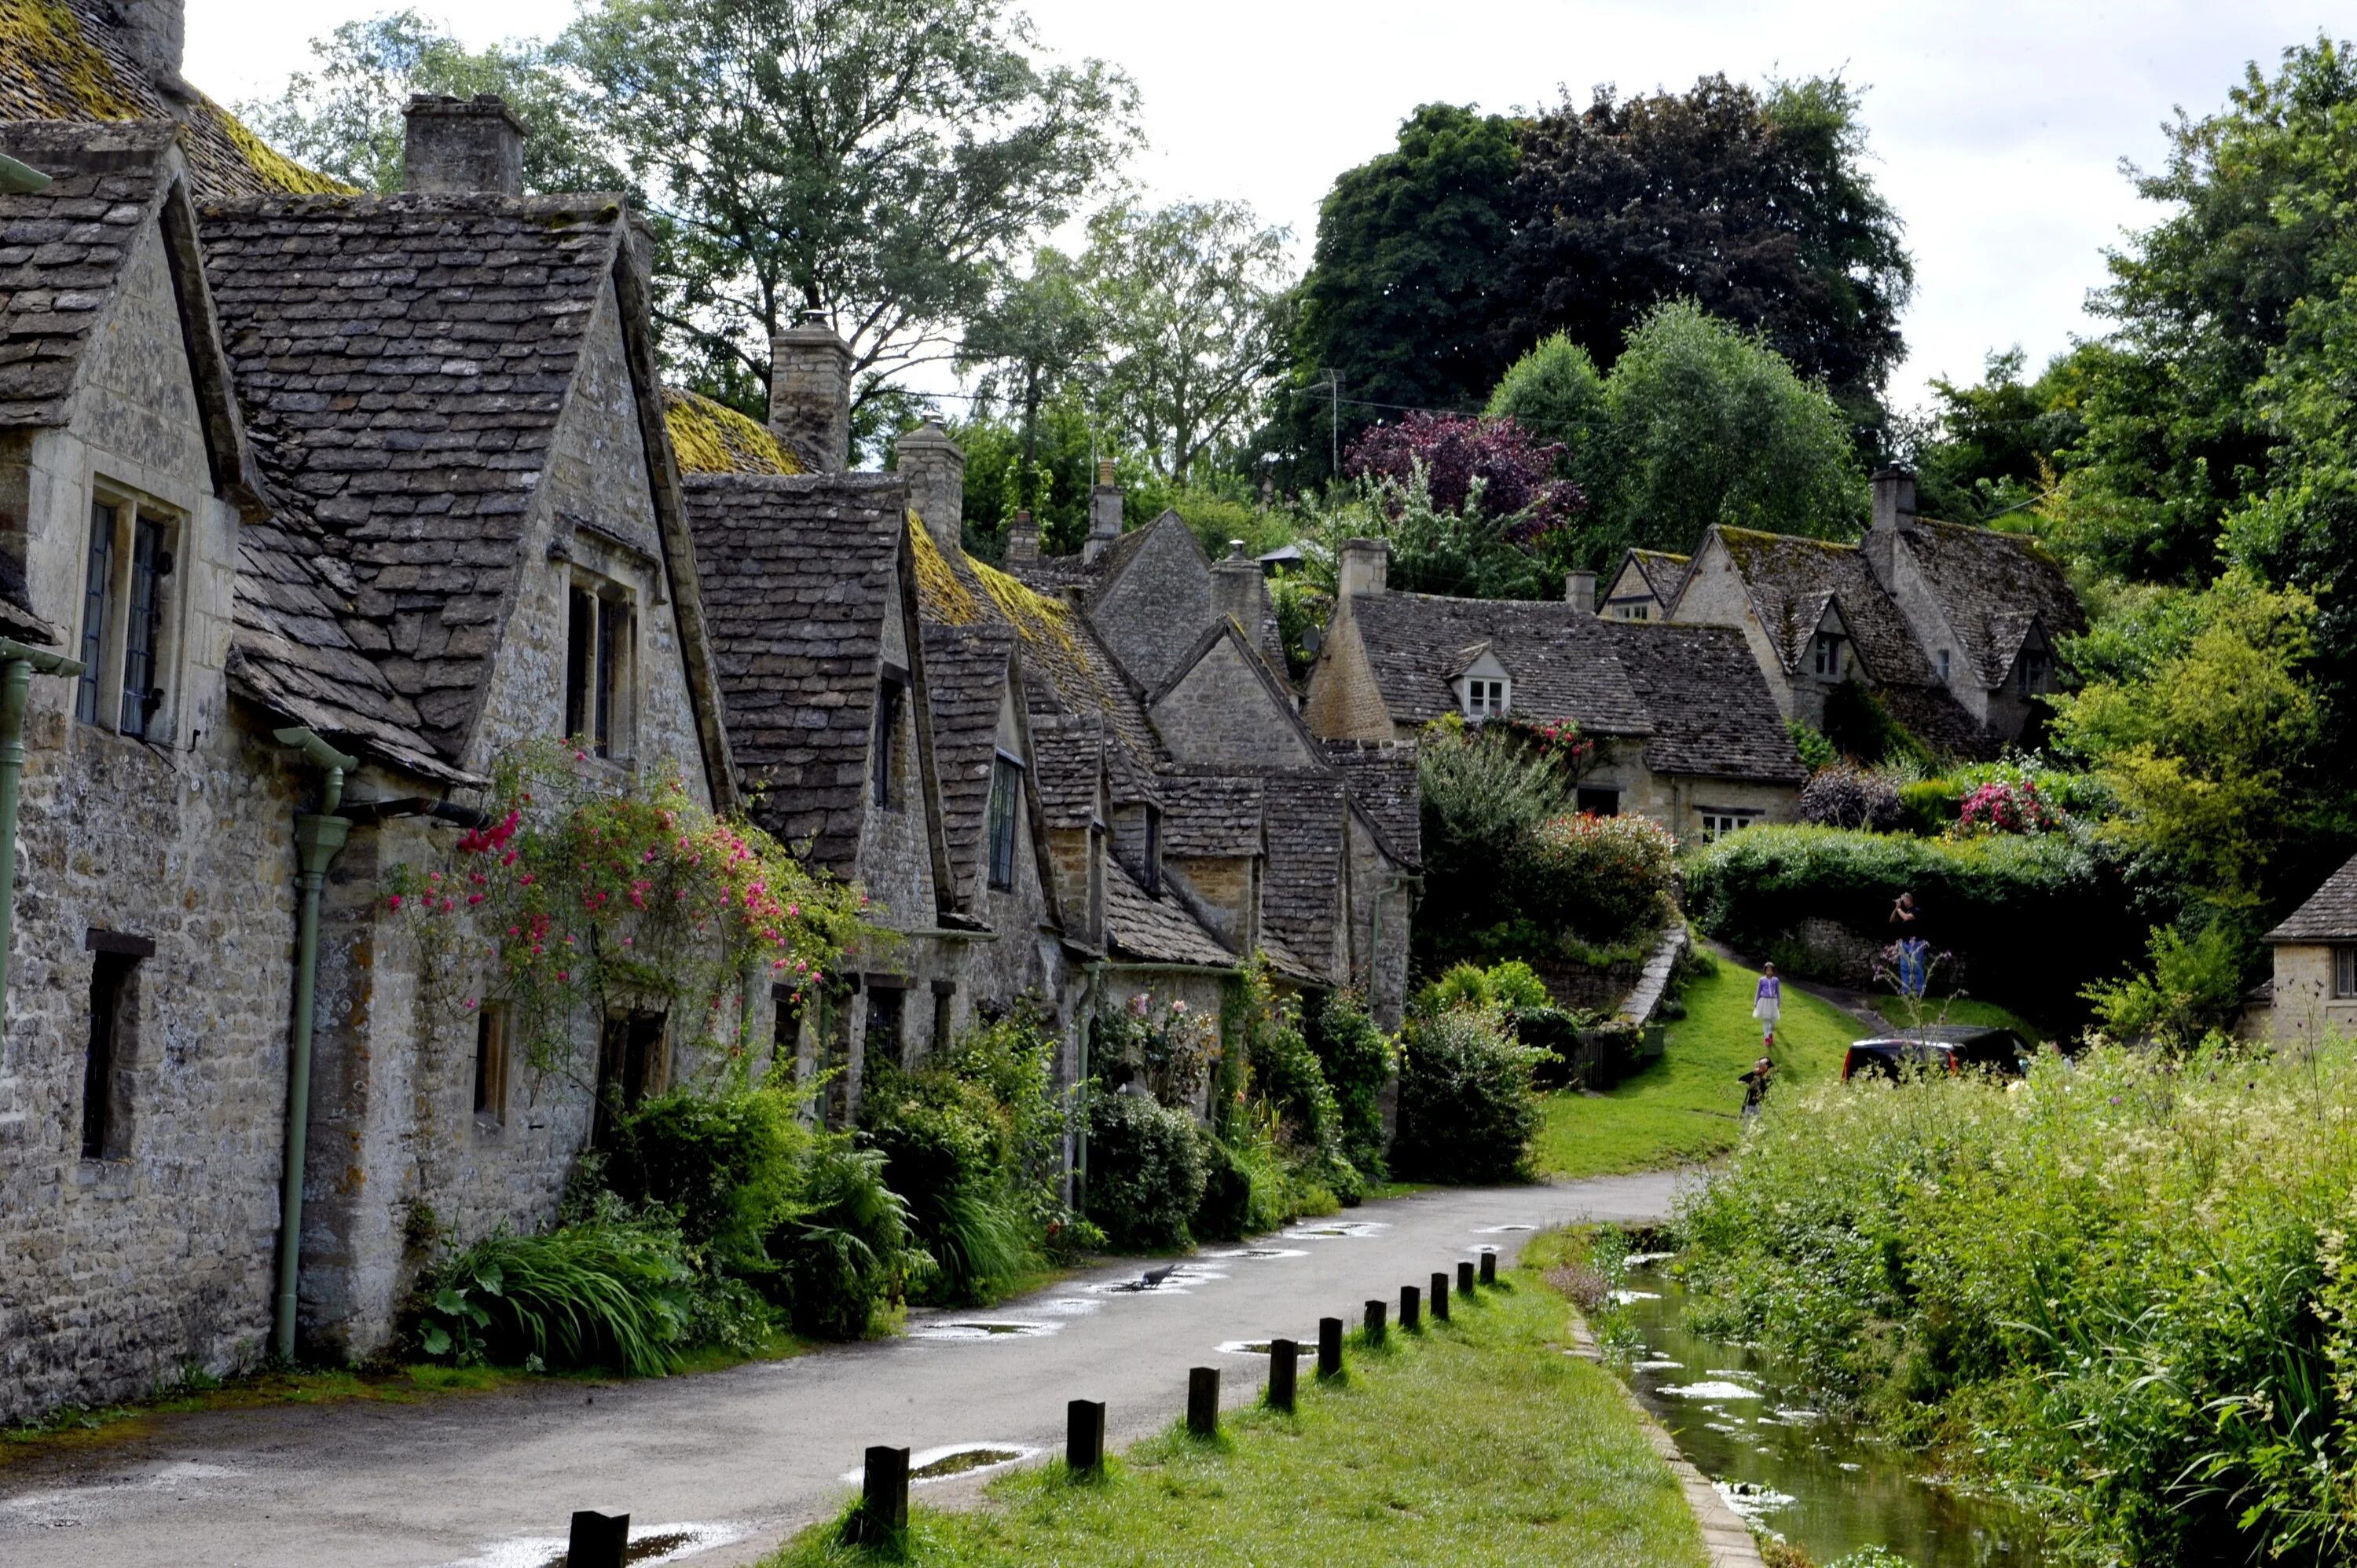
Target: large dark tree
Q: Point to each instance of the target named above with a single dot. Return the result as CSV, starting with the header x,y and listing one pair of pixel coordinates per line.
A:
x,y
1401,300
1756,206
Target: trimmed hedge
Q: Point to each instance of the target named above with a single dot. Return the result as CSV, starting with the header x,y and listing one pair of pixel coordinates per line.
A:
x,y
2032,916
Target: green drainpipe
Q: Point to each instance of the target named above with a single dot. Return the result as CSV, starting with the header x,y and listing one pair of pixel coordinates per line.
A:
x,y
18,663
318,837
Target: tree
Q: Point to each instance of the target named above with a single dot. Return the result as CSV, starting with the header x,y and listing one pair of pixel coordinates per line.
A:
x,y
1191,298
1401,296
1757,208
1992,448
1038,329
879,160
344,118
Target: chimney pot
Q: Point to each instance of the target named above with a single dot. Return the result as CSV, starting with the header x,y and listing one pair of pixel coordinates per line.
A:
x,y
1023,538
1894,499
1579,590
457,147
810,394
1364,566
934,466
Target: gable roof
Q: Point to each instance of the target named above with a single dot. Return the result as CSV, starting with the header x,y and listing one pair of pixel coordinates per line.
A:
x,y
1068,760
1713,714
1301,894
1381,775
1662,571
1791,579
1158,929
2329,916
711,437
1558,655
967,673
797,573
1210,816
1993,588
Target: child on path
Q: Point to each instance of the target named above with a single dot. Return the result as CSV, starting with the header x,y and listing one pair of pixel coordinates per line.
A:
x,y
1755,1087
1767,1004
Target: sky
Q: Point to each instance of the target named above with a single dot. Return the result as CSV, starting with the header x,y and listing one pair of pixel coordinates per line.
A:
x,y
1996,128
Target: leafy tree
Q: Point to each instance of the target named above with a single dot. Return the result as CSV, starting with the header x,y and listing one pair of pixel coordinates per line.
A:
x,y
1554,392
1757,208
880,160
2202,728
1038,330
1189,295
1991,449
1401,296
344,116
1491,464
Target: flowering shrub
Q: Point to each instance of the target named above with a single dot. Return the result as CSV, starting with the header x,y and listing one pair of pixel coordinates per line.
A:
x,y
582,891
1557,739
2002,806
1601,877
1167,1048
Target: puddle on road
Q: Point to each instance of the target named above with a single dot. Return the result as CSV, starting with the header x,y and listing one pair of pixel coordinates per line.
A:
x,y
650,1544
979,1328
1067,1306
1343,1227
1301,1348
1174,1282
953,1460
1258,1252
1501,1229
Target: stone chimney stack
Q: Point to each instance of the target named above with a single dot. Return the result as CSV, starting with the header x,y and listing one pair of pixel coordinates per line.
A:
x,y
1365,563
1104,512
1022,540
934,466
1579,590
810,394
1894,499
154,31
462,147
1237,592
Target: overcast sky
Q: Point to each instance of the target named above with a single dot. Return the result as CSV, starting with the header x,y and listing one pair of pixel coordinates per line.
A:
x,y
1997,126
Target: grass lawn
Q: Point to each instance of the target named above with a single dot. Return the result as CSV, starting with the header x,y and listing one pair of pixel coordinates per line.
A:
x,y
1959,1010
1477,1441
1688,1106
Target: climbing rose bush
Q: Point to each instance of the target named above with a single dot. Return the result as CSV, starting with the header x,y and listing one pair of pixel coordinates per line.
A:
x,y
2002,806
1604,877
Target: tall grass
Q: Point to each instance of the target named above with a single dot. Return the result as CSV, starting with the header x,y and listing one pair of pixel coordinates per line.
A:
x,y
2119,1289
601,1293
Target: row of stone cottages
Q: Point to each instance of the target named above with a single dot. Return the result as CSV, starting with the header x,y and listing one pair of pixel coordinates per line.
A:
x,y
315,504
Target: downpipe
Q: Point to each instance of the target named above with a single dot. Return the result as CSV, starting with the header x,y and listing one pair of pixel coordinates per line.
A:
x,y
18,664
318,836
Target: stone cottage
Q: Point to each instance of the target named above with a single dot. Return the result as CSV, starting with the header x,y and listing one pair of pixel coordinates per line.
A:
x,y
1686,729
2313,992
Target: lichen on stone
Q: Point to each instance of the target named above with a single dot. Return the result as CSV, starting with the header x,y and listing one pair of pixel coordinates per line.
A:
x,y
710,438
275,167
945,598
54,72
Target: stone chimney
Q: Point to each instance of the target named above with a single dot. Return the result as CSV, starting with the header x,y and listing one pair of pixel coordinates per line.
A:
x,y
934,466
1236,591
1894,499
153,32
462,147
1579,590
1362,568
1104,512
1022,538
810,394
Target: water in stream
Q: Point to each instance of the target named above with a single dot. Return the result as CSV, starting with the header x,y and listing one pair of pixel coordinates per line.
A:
x,y
1808,1478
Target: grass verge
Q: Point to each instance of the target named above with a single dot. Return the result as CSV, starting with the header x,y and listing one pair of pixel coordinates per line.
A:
x,y
1687,1106
1473,1441
1959,1010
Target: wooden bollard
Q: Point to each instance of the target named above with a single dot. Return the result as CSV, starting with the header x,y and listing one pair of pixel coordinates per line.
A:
x,y
597,1540
1330,1347
1489,1268
1410,1313
1465,1277
1084,1436
1440,1294
1284,1365
1203,1401
883,1498
1376,1313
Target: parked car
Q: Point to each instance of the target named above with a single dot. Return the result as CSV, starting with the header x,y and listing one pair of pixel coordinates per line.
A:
x,y
1949,1048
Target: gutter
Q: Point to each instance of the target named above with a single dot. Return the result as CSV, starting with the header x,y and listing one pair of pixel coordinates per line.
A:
x,y
18,663
317,838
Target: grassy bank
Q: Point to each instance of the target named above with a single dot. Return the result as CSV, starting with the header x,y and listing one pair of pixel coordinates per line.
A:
x,y
1959,1010
1477,1441
1688,1106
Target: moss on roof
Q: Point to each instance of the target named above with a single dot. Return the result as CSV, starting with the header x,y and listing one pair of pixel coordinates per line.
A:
x,y
275,167
712,438
945,598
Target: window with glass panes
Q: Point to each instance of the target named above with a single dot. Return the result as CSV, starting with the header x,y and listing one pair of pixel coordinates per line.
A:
x,y
126,619
599,666
1006,801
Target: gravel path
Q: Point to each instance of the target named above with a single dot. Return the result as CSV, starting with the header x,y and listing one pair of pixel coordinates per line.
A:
x,y
734,1460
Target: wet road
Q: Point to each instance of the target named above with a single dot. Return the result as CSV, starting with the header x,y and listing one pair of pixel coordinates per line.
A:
x,y
732,1461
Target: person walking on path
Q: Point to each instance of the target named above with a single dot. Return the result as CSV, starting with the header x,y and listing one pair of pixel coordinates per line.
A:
x,y
1755,1087
1767,1004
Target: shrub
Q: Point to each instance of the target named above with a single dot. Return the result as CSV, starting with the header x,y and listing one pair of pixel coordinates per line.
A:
x,y
613,1292
1359,1061
727,1165
1927,807
1861,729
1847,796
2001,806
1602,877
1165,1047
946,1146
2194,985
1146,1171
1466,1108
1483,792
847,1249
1816,752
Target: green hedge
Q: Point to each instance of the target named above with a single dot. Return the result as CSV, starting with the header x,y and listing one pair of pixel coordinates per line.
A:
x,y
2032,918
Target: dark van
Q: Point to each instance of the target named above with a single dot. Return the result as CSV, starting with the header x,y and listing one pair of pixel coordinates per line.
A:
x,y
1947,1049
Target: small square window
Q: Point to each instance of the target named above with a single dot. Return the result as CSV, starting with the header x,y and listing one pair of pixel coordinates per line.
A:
x,y
1484,699
129,622
600,666
1944,664
1829,655
1718,824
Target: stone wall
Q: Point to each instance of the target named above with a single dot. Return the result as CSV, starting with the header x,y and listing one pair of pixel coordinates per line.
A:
x,y
1344,702
1221,714
2304,1008
1152,613
1714,595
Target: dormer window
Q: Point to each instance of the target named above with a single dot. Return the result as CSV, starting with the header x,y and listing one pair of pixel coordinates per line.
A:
x,y
1485,698
129,625
1829,655
600,665
2033,671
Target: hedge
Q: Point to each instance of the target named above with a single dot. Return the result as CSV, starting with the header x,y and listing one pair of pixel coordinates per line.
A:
x,y
2033,918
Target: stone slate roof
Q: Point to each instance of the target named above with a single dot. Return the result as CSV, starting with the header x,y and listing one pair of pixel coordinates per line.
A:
x,y
1663,572
1713,714
796,572
65,60
1383,779
1210,816
710,438
1157,930
62,251
1558,656
1301,895
1066,755
966,671
1993,587
2329,916
403,362
1791,579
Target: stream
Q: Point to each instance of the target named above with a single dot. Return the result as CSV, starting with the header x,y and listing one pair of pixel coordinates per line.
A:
x,y
1815,1481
